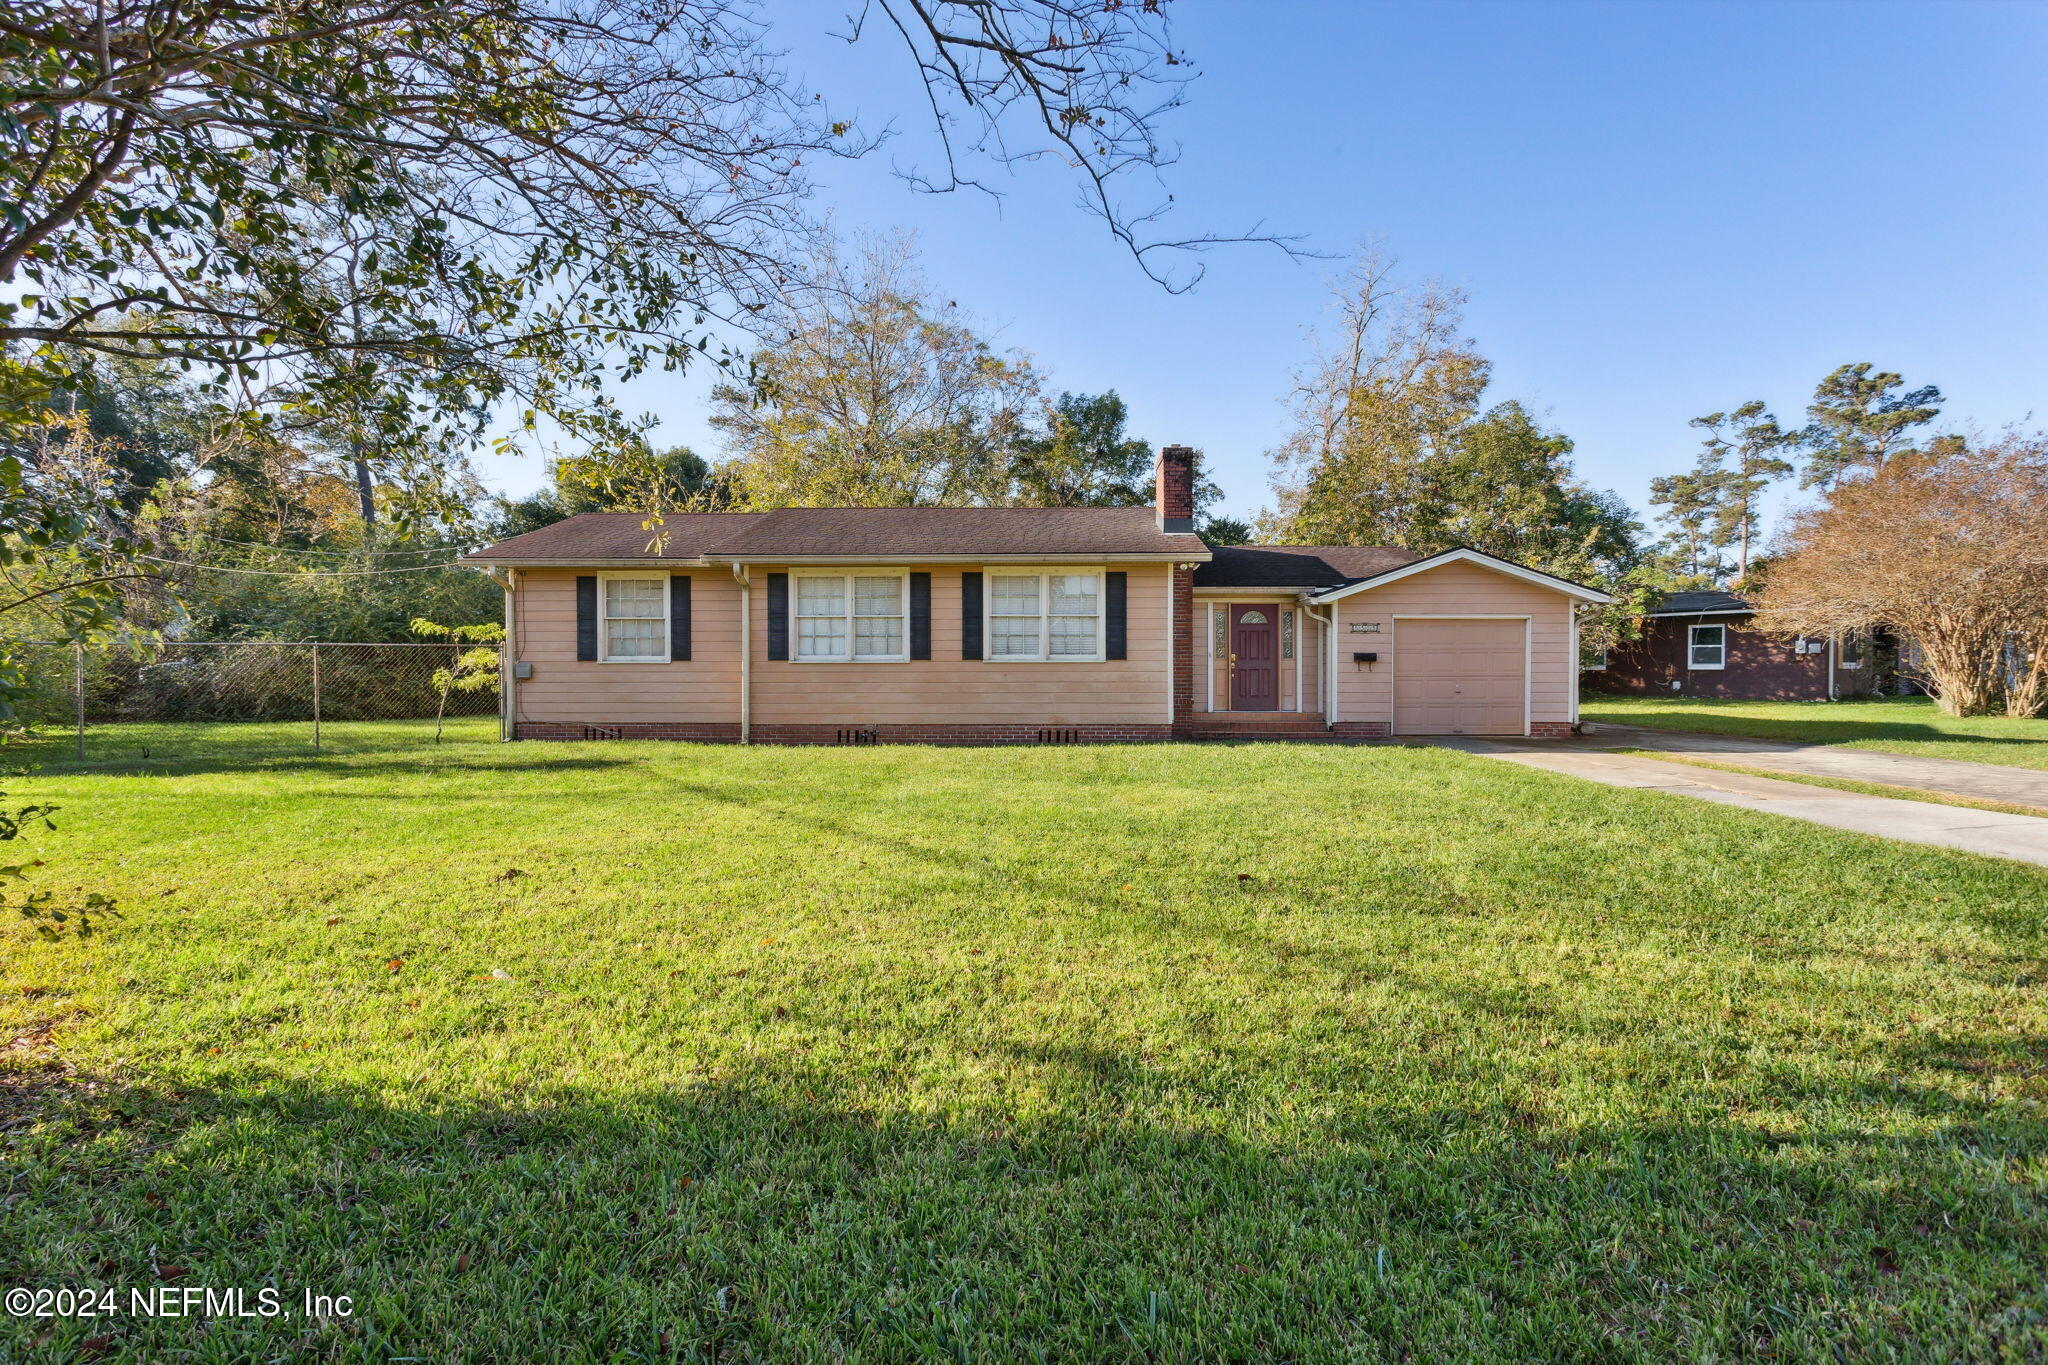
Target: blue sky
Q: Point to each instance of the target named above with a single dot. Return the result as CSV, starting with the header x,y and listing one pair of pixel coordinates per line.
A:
x,y
1659,209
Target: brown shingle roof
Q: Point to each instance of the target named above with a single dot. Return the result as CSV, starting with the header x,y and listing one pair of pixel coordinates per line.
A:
x,y
801,532
823,532
1298,566
620,535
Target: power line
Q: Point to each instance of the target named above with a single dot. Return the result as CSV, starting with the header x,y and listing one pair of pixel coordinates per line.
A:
x,y
313,550
297,573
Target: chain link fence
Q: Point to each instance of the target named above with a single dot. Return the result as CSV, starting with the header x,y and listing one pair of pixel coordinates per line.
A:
x,y
179,699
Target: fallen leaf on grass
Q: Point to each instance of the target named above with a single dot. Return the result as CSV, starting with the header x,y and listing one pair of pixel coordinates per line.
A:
x,y
509,873
96,1345
1244,876
333,920
394,964
462,1263
1886,1263
170,1272
781,1013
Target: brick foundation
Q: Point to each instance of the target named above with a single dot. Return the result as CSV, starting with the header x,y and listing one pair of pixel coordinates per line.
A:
x,y
1550,729
855,734
700,731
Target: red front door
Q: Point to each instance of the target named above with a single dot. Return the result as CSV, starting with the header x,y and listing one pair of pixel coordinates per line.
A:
x,y
1254,659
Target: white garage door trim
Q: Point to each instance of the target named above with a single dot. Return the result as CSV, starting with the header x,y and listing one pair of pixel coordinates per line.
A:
x,y
1528,651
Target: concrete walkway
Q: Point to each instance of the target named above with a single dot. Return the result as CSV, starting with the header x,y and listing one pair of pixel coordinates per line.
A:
x,y
1954,777
1994,834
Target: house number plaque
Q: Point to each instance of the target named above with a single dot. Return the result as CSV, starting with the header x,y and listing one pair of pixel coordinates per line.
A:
x,y
1365,627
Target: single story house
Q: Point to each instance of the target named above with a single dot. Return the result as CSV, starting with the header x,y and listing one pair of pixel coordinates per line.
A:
x,y
1702,644
999,624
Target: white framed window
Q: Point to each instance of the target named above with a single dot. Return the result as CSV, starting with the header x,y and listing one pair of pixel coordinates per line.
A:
x,y
1706,647
1593,660
852,618
1852,654
633,619
1044,615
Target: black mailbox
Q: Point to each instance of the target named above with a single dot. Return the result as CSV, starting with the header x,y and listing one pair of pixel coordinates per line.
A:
x,y
1365,658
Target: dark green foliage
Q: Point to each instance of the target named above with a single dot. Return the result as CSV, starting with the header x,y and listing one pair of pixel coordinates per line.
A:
x,y
1860,419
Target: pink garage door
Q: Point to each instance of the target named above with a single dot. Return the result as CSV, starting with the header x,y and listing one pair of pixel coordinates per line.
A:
x,y
1458,677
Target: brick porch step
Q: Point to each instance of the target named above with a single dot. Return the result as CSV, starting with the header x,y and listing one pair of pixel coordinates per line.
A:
x,y
1258,725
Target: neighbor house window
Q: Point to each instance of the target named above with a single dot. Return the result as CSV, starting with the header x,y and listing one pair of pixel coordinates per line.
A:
x,y
1045,615
859,618
1706,647
635,627
1852,654
1593,660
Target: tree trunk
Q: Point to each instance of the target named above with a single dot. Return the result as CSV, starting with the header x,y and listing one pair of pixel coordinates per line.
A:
x,y
365,495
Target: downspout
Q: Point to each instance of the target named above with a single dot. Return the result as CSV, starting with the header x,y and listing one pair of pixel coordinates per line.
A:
x,y
739,571
1329,625
1833,640
1577,662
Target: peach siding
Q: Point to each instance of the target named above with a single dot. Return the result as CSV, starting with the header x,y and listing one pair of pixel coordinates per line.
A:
x,y
943,690
705,689
1366,693
949,690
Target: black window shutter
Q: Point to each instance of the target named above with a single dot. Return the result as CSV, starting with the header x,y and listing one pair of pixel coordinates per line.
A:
x,y
678,618
970,616
1115,614
920,616
586,617
778,616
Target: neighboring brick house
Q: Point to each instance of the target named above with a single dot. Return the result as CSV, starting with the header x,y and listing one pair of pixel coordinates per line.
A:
x,y
1702,644
990,625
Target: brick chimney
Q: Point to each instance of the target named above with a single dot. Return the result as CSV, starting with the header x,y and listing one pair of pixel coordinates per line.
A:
x,y
1174,492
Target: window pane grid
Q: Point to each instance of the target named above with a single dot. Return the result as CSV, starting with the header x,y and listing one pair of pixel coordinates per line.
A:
x,y
860,617
634,615
1045,616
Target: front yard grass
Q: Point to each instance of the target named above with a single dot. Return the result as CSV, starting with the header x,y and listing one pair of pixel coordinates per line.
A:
x,y
1253,1052
1898,725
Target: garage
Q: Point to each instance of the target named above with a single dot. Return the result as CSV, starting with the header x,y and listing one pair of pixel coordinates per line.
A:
x,y
1460,676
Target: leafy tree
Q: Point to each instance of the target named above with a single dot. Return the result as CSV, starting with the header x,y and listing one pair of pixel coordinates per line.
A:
x,y
471,670
1946,547
1386,395
1390,446
639,479
1859,420
1692,509
1747,441
875,396
1227,531
1082,457
388,218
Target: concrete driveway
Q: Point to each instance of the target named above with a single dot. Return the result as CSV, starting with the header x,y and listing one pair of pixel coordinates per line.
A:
x,y
1983,781
1995,834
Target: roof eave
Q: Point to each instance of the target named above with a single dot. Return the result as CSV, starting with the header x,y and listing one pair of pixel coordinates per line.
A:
x,y
976,557
490,561
1463,555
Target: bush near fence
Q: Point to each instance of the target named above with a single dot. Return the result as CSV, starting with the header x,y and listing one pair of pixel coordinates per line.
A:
x,y
248,681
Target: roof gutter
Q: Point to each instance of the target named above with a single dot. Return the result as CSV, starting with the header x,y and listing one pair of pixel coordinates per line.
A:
x,y
969,557
645,562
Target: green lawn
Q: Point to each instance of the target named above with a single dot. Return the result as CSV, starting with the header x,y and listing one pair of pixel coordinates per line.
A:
x,y
142,745
1899,725
1234,1053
